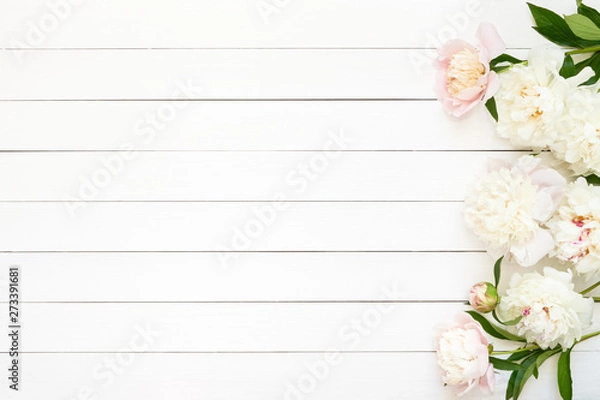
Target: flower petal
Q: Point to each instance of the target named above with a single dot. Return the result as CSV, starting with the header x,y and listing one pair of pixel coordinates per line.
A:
x,y
493,84
488,381
533,251
491,40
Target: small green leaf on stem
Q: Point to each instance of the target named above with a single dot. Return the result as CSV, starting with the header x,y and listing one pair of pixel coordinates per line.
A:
x,y
568,68
497,270
504,62
491,107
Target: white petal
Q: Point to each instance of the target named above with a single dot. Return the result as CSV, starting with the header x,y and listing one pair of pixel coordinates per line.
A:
x,y
533,251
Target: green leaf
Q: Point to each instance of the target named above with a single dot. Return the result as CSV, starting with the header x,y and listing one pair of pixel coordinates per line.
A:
x,y
523,375
568,68
536,371
589,12
554,28
502,58
518,356
531,367
491,107
565,381
593,179
594,63
583,27
492,330
503,62
497,270
546,355
510,387
504,365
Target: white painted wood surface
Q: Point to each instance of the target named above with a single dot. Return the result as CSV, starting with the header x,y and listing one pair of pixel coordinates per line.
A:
x,y
221,111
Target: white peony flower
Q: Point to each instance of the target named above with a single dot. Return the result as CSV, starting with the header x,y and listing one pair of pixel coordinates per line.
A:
x,y
507,206
576,228
578,140
531,98
463,356
552,312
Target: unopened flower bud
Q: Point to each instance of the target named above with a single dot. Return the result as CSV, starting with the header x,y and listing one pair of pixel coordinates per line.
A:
x,y
483,297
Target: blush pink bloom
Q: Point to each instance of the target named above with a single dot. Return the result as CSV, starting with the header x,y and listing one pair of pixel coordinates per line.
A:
x,y
463,356
463,76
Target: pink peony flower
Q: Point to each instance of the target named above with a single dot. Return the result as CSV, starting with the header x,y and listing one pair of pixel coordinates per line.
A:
x,y
463,77
462,351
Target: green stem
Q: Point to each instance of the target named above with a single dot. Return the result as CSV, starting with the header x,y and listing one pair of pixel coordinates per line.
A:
x,y
596,299
499,353
594,286
592,49
588,336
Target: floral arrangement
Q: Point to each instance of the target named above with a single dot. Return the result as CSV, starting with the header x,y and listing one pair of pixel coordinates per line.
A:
x,y
542,211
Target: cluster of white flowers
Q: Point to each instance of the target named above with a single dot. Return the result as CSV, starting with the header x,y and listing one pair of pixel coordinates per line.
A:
x,y
539,109
527,211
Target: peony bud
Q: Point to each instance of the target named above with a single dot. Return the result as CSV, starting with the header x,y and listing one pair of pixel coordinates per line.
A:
x,y
483,297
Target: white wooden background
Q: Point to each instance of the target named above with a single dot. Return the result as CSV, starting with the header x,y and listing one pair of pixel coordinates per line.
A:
x,y
365,260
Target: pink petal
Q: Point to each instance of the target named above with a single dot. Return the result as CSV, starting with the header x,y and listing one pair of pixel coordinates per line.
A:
x,y
488,381
448,49
493,84
490,40
547,177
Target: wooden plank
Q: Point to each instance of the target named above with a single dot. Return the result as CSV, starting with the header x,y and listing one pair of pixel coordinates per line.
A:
x,y
215,74
175,226
290,125
242,327
244,176
241,24
199,277
402,376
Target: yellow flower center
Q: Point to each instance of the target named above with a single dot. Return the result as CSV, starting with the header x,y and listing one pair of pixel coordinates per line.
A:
x,y
464,71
